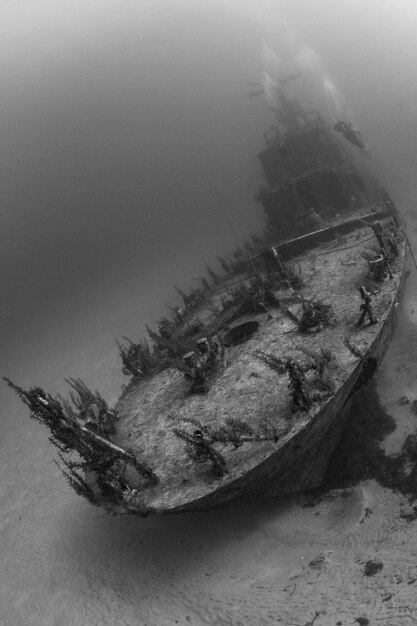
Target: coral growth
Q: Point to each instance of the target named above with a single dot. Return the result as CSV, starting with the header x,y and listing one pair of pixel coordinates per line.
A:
x,y
137,358
76,426
199,449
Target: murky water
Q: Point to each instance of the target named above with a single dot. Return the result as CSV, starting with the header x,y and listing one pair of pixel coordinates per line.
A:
x,y
64,562
115,124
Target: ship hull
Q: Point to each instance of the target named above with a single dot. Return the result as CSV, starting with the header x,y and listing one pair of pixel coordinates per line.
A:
x,y
221,409
301,462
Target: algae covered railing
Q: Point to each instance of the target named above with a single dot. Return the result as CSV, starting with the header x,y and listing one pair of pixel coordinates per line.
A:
x,y
84,425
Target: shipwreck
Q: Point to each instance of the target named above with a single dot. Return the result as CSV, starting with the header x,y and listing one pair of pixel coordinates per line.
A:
x,y
243,392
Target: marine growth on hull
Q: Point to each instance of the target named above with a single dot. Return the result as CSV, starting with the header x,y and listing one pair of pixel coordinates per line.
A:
x,y
237,395
241,365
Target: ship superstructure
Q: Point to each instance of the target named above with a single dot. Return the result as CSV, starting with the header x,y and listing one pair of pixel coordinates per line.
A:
x,y
310,178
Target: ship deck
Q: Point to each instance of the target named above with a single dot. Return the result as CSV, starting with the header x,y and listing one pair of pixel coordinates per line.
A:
x,y
244,387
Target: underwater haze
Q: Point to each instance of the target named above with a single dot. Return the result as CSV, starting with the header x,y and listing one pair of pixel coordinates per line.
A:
x,y
120,123
128,159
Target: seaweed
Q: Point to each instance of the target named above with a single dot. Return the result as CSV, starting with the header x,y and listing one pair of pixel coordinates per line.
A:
x,y
72,430
214,277
276,364
137,358
192,299
77,481
301,400
234,431
224,264
294,275
199,449
249,296
319,359
204,283
316,315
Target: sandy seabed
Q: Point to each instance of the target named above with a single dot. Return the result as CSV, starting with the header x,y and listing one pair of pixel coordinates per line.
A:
x,y
299,561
